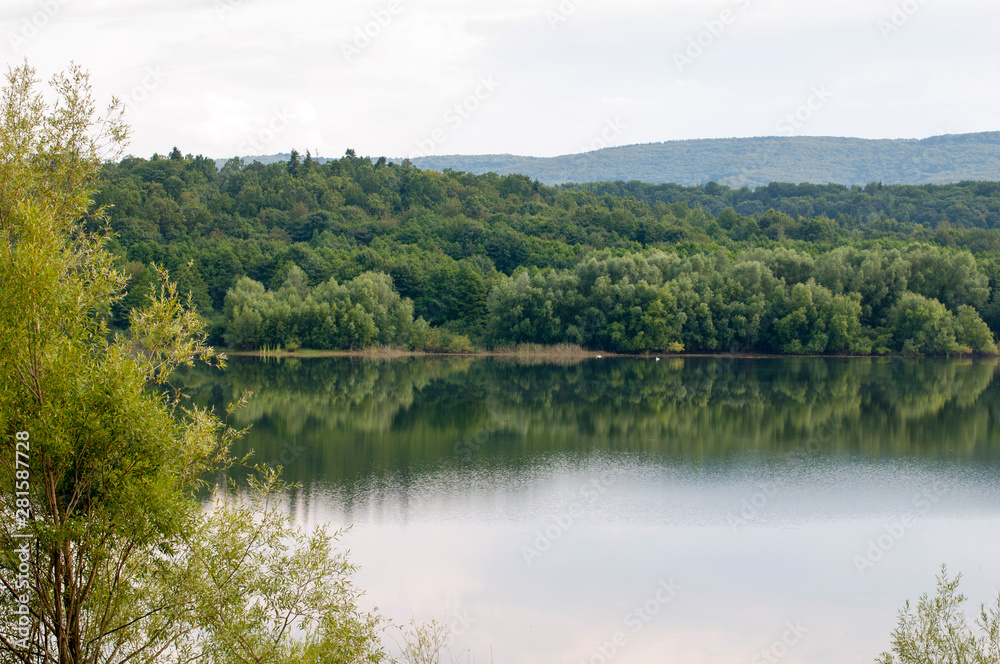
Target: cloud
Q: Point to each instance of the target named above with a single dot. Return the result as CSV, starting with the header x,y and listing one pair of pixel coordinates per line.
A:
x,y
230,64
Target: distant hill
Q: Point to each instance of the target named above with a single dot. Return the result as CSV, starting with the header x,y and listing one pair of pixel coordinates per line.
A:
x,y
747,162
757,161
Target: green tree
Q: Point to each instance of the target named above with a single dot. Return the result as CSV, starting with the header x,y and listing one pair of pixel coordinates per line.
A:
x,y
972,332
125,565
919,325
937,631
813,320
951,278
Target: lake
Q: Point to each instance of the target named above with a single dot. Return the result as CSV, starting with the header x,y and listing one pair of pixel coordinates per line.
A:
x,y
634,510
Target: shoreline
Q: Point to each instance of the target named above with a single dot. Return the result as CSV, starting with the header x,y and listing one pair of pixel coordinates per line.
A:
x,y
558,353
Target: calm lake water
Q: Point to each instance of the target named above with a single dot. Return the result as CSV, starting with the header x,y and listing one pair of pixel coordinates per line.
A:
x,y
687,510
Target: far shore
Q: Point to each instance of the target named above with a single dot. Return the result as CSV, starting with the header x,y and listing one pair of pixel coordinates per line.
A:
x,y
559,352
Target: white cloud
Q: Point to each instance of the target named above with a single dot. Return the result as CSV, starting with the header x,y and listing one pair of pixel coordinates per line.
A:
x,y
230,64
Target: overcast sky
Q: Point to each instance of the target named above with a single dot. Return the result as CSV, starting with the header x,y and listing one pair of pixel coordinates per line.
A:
x,y
533,77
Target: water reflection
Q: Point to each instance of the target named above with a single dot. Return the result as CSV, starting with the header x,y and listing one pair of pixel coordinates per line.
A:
x,y
340,421
543,503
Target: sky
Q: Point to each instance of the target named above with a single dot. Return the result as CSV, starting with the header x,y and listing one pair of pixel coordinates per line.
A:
x,y
531,77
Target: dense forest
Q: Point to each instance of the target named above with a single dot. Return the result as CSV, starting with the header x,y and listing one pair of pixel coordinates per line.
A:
x,y
754,161
355,252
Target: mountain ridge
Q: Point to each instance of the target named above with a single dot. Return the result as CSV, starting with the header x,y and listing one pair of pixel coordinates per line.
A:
x,y
750,162
757,161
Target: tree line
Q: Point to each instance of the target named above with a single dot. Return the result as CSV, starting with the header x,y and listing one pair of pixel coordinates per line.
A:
x,y
356,252
963,205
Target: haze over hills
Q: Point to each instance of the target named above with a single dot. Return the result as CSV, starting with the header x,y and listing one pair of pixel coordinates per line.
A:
x,y
758,161
747,161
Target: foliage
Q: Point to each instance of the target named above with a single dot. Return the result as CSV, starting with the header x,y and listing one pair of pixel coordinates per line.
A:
x,y
812,212
426,643
123,565
453,260
937,631
265,591
364,312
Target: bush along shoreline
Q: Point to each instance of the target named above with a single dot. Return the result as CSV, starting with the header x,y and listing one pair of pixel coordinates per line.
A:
x,y
354,254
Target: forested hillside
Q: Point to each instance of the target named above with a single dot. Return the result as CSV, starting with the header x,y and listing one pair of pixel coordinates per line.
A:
x,y
963,205
757,161
354,253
